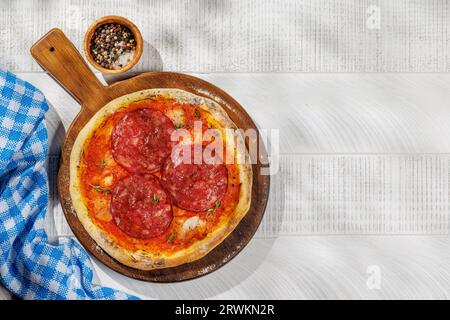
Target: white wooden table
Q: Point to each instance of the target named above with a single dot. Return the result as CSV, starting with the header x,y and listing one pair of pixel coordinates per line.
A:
x,y
360,205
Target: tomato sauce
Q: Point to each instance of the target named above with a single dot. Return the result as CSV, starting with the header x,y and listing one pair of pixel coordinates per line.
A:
x,y
99,173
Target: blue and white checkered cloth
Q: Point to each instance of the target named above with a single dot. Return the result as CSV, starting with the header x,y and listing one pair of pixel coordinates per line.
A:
x,y
30,266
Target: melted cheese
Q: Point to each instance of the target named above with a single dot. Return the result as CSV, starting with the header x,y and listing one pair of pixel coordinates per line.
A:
x,y
190,224
177,116
108,180
103,214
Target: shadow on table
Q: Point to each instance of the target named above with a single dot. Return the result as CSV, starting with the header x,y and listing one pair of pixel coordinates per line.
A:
x,y
228,277
56,134
55,131
211,285
150,61
218,283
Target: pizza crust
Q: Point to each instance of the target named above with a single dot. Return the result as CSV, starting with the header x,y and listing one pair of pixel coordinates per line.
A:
x,y
145,260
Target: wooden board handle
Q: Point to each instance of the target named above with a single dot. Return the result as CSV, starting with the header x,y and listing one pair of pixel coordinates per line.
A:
x,y
56,54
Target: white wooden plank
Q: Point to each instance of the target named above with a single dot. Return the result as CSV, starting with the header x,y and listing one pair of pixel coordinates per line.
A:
x,y
249,35
361,154
347,113
276,265
333,267
384,114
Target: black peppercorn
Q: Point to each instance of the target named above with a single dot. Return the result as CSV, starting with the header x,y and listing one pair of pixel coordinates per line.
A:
x,y
112,45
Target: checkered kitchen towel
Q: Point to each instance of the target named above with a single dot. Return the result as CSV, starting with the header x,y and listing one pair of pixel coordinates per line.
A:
x,y
30,266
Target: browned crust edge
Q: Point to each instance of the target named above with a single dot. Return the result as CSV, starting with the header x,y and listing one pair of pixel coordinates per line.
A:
x,y
145,260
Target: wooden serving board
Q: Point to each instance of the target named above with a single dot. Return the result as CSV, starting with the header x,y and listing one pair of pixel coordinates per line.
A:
x,y
57,55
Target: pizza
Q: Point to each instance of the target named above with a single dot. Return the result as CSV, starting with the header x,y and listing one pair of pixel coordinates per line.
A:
x,y
151,179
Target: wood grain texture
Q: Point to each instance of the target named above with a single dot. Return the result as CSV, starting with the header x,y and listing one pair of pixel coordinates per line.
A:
x,y
283,261
249,35
55,53
304,36
333,267
359,153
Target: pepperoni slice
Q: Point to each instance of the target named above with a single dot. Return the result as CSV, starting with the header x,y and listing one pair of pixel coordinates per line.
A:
x,y
195,187
141,140
140,207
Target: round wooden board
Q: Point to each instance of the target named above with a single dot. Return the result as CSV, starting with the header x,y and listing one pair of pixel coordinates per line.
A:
x,y
56,54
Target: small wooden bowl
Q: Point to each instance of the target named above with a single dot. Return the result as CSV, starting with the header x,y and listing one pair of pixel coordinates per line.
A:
x,y
120,20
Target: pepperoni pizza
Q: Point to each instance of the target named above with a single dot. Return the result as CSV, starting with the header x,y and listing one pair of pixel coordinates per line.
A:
x,y
150,195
